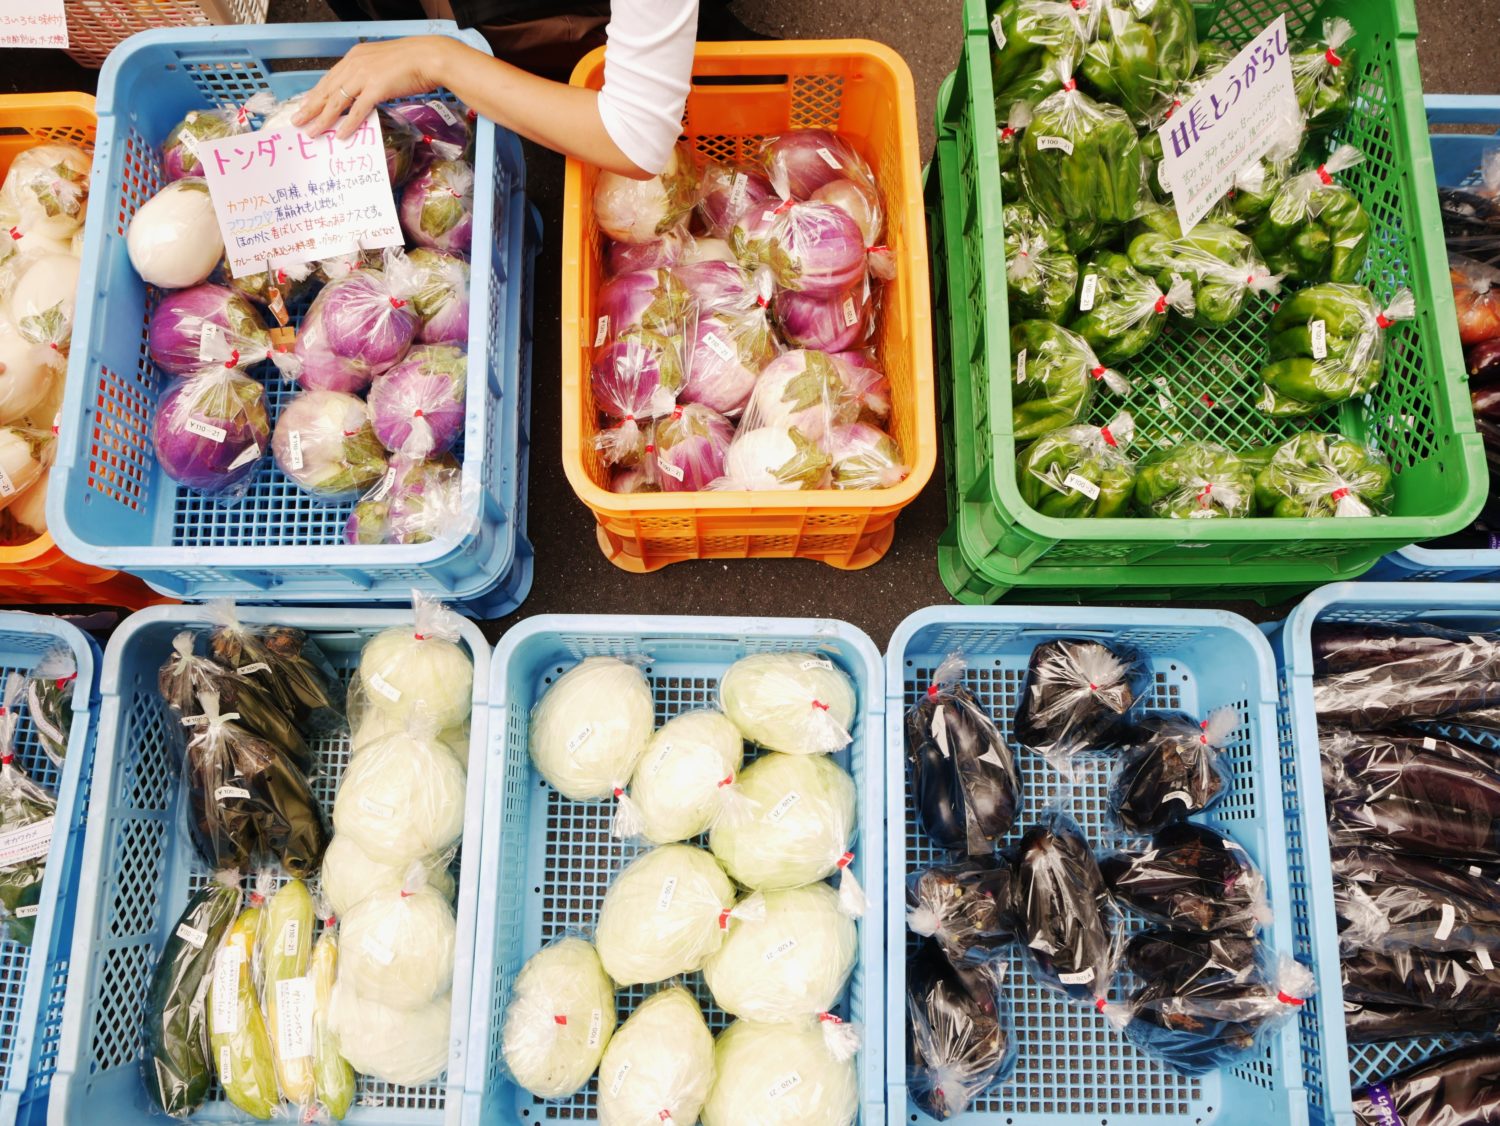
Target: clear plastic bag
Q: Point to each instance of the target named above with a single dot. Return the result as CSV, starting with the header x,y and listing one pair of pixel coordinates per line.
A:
x,y
437,206
186,319
968,907
324,442
417,408
801,161
1459,1087
635,379
560,1019
796,703
31,372
416,501
1191,878
659,1064
419,671
865,457
687,448
728,193
357,327
1081,471
829,321
49,700
1423,679
782,1073
1195,481
961,1039
211,429
1171,768
402,798
591,728
965,784
1064,917
1076,695
349,874
1393,901
1325,475
730,350
406,1047
816,248
1056,374
1121,311
1421,978
1322,73
1314,229
284,659
26,825
179,151
442,297
398,946
685,780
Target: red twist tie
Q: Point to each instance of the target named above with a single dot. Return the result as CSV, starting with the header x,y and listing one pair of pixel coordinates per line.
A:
x,y
650,449
1324,175
420,636
1203,738
1107,436
1007,133
1338,494
727,780
1384,321
560,1018
72,676
664,1116
618,791
405,894
1161,303
7,758
417,413
677,412
426,139
1098,371
829,1018
1205,398
350,433
1332,57
724,919
1288,999
15,233
1203,496
932,690
234,359
281,277
398,303
473,115
1080,5
1070,85
845,860
820,705
785,206
1099,1005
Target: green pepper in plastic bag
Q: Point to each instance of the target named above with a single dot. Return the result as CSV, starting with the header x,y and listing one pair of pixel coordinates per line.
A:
x,y
1054,376
1220,263
1257,182
1322,73
1041,274
1144,49
1120,310
1316,230
1082,166
1080,471
1194,480
1008,139
1324,475
1327,346
1214,55
1031,37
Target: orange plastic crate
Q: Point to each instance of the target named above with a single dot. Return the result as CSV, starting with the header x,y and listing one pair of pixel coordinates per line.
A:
x,y
38,572
864,91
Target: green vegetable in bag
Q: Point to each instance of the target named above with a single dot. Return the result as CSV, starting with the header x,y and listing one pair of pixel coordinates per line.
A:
x,y
1314,229
1194,480
285,947
1257,182
332,1075
1220,263
1055,372
1144,50
49,700
1017,116
1041,274
1214,55
176,1064
1324,475
238,1044
1082,166
1322,73
1031,37
1327,346
1120,310
1080,471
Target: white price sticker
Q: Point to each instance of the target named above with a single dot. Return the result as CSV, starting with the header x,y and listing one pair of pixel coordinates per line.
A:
x,y
374,808
206,430
247,455
1429,743
258,666
851,314
829,159
443,111
1179,795
739,187
657,760
294,449
1318,332
295,1001
601,331
1089,293
785,1084
290,935
1082,485
1143,8
30,912
191,935
1082,977
29,842
1021,366
997,29
580,737
1445,924
384,687
211,342
596,1028
227,793
676,472
226,989
668,890
225,1059
816,663
386,484
783,807
780,950
619,1080
719,347
1062,144
1485,962
939,729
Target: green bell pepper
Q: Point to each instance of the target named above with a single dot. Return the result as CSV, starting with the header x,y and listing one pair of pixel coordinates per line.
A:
x,y
1214,55
1194,480
1316,230
1322,72
1220,263
1121,311
1082,167
1016,116
1031,37
1054,372
1327,346
1041,274
1144,50
1080,471
1324,475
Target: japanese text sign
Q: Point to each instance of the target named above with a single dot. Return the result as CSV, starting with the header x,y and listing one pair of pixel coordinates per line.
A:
x,y
284,196
1235,118
33,23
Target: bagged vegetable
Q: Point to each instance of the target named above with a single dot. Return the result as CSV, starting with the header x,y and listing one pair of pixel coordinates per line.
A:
x,y
688,447
968,907
1421,679
832,321
402,799
211,429
333,1078
399,139
183,319
1476,292
685,780
47,189
1143,51
960,1038
1055,372
865,457
653,300
866,384
31,372
1323,72
780,1074
591,727
238,1043
437,206
1221,264
349,874
418,670
1076,694
729,353
1194,480
637,211
1172,767
1008,146
274,288
1040,271
801,389
1031,37
817,248
560,1019
173,239
1383,1024
407,1047
415,502
1315,230
655,254
365,321
665,914
797,703
1325,475
49,700
728,193
398,946
1080,471
445,130
964,779
324,442
796,830
1064,919
775,458
1192,878
1257,182
1121,311
1176,960
417,408
282,659
442,297
1081,165
1391,901
659,1064
1457,1089
284,952
858,196
25,457
719,288
634,380
27,814
179,152
1327,346
1420,978
801,161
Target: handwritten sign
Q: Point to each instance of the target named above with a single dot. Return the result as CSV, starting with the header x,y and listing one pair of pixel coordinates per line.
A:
x,y
1234,119
33,23
284,196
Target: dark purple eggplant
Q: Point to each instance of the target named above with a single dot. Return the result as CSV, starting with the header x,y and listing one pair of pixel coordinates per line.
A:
x,y
1392,901
969,907
1484,362
1460,1089
1346,646
1190,878
960,1041
1443,677
1383,1024
1063,913
1180,960
1420,977
1077,694
1172,767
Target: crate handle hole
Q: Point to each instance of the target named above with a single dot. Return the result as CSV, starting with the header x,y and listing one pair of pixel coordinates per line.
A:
x,y
739,80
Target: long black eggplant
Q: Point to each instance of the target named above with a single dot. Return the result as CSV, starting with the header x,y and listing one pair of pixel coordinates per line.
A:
x,y
1385,1024
1432,677
1392,901
1421,978
1460,1089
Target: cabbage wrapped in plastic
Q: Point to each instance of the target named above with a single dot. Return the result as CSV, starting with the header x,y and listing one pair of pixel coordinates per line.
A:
x,y
591,727
965,784
659,1063
415,502
629,210
961,1041
186,316
797,703
560,1019
211,429
1077,692
442,297
866,383
792,963
437,206
727,194
323,441
1172,768
796,827
969,907
407,1047
402,799
349,874
685,779
812,247
46,190
831,321
801,161
419,671
865,457
729,354
665,913
688,447
1064,918
781,1073
805,390
1192,878
375,726
398,946
417,407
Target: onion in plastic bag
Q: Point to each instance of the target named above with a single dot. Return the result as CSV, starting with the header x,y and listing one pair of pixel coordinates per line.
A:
x,y
211,429
664,914
437,206
780,1075
560,1019
407,1047
418,669
174,238
402,799
796,828
659,1064
630,210
689,447
442,297
792,963
349,875
182,319
323,441
417,407
799,703
591,727
398,945
680,785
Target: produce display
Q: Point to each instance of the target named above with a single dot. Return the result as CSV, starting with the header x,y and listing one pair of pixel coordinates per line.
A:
x,y
375,342
23,803
733,346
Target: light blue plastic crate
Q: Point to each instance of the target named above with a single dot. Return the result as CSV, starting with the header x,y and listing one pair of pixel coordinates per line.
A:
x,y
111,505
1455,162
1073,1068
33,978
140,866
1334,1069
550,860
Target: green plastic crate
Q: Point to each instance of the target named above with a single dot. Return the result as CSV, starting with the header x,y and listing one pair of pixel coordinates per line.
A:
x,y
1420,415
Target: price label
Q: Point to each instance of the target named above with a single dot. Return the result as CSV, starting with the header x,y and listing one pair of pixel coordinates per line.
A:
x,y
226,989
780,950
787,1083
29,842
939,729
375,808
601,331
596,1028
619,1080
1021,366
717,345
383,686
1082,485
30,912
294,449
1445,923
386,484
829,159
295,1001
206,430
851,314
33,23
816,663
997,29
1317,332
258,666
249,453
783,807
580,737
1082,977
676,472
224,793
443,111
290,935
668,890
1088,293
739,187
192,936
211,342
658,759
1060,144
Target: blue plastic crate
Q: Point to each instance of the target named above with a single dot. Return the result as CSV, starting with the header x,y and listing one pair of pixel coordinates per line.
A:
x,y
33,978
140,866
1073,1068
1455,161
1333,1068
550,860
112,506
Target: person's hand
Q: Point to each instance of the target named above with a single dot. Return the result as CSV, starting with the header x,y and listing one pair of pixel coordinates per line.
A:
x,y
369,74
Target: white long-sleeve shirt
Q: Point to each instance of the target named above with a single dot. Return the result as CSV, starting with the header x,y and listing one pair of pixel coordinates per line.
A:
x,y
648,66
